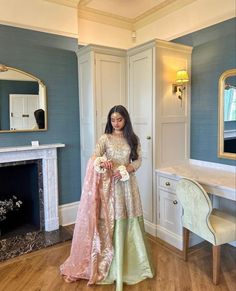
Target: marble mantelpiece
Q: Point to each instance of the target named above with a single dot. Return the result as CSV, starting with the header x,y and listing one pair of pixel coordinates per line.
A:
x,y
48,154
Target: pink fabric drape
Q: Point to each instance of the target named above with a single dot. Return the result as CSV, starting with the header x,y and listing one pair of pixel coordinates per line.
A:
x,y
92,251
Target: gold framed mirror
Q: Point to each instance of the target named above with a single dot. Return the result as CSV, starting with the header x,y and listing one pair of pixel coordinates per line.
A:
x,y
227,115
23,102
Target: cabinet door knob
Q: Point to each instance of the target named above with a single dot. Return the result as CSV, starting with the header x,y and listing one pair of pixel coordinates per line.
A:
x,y
167,183
148,137
175,202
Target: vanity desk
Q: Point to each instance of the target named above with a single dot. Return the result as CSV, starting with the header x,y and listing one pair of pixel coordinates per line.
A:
x,y
217,179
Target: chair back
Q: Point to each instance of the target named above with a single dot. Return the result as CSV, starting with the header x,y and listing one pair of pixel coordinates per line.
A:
x,y
197,208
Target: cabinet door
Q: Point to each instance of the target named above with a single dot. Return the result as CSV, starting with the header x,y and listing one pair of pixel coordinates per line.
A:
x,y
87,109
140,107
170,212
110,87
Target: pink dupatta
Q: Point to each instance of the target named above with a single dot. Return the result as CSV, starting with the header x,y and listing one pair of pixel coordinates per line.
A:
x,y
92,251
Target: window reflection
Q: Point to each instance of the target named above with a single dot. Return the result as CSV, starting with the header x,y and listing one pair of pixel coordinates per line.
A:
x,y
229,103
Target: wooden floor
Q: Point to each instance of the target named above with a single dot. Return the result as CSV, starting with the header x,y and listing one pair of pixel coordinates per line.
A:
x,y
38,271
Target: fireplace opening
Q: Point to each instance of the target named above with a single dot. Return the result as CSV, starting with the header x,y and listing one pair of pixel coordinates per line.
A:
x,y
20,184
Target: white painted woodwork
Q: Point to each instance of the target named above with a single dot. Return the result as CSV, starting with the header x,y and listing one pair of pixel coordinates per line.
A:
x,y
158,114
170,212
68,213
173,115
87,109
22,107
140,107
48,155
110,86
102,85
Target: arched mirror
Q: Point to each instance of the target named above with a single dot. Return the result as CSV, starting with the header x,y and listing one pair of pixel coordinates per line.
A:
x,y
23,105
227,115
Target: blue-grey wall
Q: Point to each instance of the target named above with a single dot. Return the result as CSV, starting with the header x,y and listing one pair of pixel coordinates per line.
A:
x,y
52,59
214,51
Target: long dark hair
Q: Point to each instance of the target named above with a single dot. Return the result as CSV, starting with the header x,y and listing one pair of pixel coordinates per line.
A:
x,y
128,132
40,118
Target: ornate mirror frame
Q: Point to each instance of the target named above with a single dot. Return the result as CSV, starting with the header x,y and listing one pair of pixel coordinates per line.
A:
x,y
221,88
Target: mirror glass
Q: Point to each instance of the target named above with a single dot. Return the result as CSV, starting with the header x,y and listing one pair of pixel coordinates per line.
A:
x,y
227,114
22,101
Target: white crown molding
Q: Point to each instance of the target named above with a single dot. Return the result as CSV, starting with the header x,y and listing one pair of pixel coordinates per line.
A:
x,y
36,28
69,3
160,11
105,18
84,2
128,23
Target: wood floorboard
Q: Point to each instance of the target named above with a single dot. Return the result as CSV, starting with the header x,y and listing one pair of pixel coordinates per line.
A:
x,y
39,271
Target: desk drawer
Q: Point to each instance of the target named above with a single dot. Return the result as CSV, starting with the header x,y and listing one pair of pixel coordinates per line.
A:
x,y
167,183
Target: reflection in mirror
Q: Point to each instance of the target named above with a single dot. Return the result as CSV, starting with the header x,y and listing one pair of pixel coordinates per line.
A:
x,y
22,101
227,115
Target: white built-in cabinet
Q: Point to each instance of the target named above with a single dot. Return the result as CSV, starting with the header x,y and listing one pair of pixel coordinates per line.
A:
x,y
102,85
161,120
169,226
140,78
140,105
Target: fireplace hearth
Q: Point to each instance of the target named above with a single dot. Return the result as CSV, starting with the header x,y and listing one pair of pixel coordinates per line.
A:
x,y
19,244
30,173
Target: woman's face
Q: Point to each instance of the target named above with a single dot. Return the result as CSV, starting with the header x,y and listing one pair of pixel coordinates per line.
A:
x,y
117,121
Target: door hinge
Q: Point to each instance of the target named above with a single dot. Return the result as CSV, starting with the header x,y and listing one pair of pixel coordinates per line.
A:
x,y
11,114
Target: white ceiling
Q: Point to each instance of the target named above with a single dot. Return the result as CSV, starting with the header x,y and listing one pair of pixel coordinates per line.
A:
x,y
124,8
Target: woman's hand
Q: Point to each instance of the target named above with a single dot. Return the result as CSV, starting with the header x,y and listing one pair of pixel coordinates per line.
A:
x,y
117,175
107,165
130,169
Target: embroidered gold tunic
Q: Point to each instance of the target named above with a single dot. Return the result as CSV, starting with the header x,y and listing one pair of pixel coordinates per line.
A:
x,y
127,201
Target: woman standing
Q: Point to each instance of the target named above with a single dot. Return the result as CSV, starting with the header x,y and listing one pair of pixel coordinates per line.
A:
x,y
109,242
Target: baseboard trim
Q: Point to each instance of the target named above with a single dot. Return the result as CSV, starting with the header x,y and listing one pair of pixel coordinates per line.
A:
x,y
150,228
170,237
67,213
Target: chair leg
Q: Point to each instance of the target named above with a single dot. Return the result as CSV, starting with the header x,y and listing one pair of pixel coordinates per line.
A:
x,y
216,264
185,243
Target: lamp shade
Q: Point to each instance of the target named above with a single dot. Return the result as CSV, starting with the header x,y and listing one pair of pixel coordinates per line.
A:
x,y
182,76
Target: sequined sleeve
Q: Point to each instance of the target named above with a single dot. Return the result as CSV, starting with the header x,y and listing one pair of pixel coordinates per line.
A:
x,y
137,163
100,148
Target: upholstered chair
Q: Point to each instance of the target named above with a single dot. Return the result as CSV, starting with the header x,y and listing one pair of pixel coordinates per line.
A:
x,y
210,224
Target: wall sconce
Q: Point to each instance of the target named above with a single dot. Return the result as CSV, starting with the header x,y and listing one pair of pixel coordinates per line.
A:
x,y
179,87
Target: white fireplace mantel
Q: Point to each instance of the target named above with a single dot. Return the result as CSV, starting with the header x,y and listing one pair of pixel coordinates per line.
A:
x,y
48,154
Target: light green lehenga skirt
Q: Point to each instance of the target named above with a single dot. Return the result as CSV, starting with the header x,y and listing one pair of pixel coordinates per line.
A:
x,y
131,263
